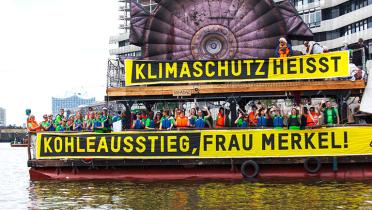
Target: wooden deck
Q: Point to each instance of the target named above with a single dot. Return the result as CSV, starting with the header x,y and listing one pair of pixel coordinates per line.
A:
x,y
142,91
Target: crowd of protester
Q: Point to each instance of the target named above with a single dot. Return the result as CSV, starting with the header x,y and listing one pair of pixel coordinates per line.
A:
x,y
259,116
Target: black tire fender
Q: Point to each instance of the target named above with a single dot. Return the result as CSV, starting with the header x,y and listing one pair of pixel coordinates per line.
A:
x,y
246,165
308,167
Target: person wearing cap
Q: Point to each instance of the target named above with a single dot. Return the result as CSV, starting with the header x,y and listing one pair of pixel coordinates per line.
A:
x,y
45,124
284,49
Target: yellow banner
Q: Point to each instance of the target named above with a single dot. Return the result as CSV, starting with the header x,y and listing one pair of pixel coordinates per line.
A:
x,y
236,143
318,66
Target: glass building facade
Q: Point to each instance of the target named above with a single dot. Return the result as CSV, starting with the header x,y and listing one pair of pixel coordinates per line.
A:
x,y
70,103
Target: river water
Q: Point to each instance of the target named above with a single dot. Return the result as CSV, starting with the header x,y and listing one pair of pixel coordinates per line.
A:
x,y
18,192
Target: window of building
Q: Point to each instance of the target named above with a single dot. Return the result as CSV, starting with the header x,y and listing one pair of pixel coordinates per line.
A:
x,y
312,18
344,31
344,8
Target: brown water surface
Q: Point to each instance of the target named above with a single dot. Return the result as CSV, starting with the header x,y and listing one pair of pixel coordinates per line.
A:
x,y
18,192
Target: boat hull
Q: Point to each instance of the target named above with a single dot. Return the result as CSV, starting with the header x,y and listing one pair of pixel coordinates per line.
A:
x,y
356,171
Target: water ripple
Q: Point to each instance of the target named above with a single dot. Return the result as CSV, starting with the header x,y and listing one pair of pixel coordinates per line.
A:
x,y
17,192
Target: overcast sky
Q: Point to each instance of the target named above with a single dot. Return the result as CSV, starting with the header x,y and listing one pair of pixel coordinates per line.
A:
x,y
48,47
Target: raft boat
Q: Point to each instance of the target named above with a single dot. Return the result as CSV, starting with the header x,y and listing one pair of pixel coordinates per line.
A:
x,y
223,59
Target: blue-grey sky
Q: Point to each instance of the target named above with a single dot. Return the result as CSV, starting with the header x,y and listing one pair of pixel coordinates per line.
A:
x,y
48,47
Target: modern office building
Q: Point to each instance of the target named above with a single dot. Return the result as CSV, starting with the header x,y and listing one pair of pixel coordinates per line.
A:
x,y
120,43
336,22
2,117
70,103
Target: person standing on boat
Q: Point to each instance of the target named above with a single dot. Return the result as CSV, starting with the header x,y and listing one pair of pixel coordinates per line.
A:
x,y
61,127
294,120
138,123
330,114
60,116
269,118
304,117
106,119
88,123
125,120
78,123
315,115
149,122
261,120
284,49
117,117
201,120
242,121
52,123
97,125
157,120
311,118
181,120
192,117
88,113
252,116
278,120
221,118
33,127
70,123
209,119
166,122
143,116
312,47
45,124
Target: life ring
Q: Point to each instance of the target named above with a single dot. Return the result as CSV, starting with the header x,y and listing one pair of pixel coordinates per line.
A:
x,y
308,166
246,165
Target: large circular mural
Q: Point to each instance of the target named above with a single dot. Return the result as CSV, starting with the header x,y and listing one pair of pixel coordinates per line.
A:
x,y
214,29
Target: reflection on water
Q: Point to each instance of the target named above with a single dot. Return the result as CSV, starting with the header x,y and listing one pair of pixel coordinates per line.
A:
x,y
201,195
17,192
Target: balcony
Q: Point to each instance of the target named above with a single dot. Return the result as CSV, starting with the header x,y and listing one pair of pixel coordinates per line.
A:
x,y
125,49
